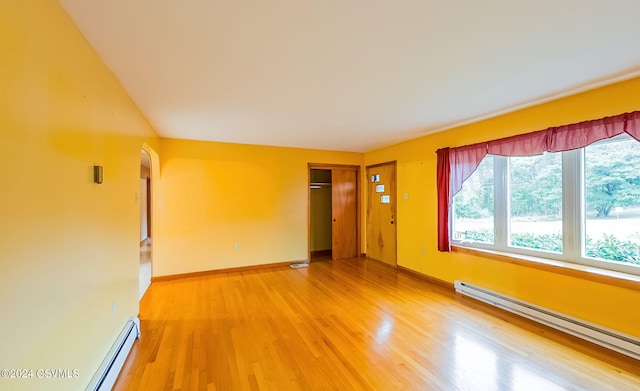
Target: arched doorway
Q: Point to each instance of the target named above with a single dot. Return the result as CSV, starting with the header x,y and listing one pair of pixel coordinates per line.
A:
x,y
146,232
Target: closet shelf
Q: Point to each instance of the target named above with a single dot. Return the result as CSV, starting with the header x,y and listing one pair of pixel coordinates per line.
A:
x,y
319,185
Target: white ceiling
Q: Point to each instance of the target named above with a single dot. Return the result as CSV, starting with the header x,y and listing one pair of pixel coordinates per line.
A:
x,y
352,75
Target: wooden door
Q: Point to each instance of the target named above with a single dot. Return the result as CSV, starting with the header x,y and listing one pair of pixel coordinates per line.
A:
x,y
344,199
381,213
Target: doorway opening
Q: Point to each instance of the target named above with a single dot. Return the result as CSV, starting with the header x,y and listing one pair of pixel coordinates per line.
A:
x,y
320,215
146,253
334,229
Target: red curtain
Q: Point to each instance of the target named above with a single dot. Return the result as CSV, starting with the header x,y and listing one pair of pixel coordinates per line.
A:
x,y
442,176
455,165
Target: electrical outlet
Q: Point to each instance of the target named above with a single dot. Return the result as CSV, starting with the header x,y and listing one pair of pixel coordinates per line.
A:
x,y
237,246
114,308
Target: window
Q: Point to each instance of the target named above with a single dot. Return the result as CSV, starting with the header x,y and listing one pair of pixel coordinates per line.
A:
x,y
578,206
473,217
535,195
612,201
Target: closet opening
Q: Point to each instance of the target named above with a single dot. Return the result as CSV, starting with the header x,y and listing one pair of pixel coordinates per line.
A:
x,y
320,215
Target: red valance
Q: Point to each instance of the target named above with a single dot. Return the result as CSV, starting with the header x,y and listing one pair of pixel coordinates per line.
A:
x,y
455,165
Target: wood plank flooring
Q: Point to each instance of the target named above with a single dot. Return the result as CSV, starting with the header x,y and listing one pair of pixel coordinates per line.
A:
x,y
350,325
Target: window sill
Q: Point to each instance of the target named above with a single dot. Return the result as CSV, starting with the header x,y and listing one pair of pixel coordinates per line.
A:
x,y
619,279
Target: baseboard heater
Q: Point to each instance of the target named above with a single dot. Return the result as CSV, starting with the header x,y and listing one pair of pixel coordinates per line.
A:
x,y
608,338
106,376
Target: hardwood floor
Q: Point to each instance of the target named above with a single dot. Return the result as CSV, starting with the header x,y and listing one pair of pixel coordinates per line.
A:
x,y
350,325
146,257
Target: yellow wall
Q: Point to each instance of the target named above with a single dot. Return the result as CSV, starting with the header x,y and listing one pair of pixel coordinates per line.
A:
x,y
213,196
69,247
417,216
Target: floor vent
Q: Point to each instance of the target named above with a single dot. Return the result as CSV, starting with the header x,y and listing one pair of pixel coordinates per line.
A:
x,y
608,338
108,372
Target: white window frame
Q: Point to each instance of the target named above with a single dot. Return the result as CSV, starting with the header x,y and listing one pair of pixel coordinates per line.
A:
x,y
573,216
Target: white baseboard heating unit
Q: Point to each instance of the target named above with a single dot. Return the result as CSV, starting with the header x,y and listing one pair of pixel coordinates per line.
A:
x,y
107,374
608,338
